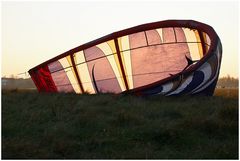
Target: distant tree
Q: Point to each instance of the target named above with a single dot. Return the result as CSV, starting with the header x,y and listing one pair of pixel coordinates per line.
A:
x,y
228,82
13,76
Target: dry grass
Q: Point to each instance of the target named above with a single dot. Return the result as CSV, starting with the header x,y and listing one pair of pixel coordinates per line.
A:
x,y
227,92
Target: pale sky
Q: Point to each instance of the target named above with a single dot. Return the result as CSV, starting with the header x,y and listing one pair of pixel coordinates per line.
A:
x,y
33,32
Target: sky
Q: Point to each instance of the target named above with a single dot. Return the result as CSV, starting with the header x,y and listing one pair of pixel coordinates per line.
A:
x,y
35,31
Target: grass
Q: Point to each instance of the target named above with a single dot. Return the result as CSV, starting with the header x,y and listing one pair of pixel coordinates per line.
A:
x,y
106,126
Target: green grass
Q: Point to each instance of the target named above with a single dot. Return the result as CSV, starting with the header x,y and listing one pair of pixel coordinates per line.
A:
x,y
106,126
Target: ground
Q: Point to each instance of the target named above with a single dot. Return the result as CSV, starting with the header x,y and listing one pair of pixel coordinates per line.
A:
x,y
107,126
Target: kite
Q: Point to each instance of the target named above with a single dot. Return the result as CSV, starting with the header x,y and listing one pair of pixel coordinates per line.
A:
x,y
172,57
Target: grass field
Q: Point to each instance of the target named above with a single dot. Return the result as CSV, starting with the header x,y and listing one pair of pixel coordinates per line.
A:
x,y
106,126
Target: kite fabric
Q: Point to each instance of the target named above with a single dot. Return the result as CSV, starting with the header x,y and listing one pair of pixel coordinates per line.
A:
x,y
173,57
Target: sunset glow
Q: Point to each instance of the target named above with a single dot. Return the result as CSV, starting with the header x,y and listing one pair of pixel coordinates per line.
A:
x,y
33,32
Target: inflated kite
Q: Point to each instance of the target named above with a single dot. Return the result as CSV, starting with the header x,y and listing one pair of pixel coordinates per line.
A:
x,y
173,57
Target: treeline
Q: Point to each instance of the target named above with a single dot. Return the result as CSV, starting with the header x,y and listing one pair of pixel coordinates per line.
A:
x,y
17,83
20,83
227,82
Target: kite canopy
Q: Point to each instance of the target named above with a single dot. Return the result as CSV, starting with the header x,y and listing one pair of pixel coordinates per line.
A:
x,y
172,57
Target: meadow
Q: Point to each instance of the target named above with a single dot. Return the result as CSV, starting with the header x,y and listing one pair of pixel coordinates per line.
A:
x,y
106,126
